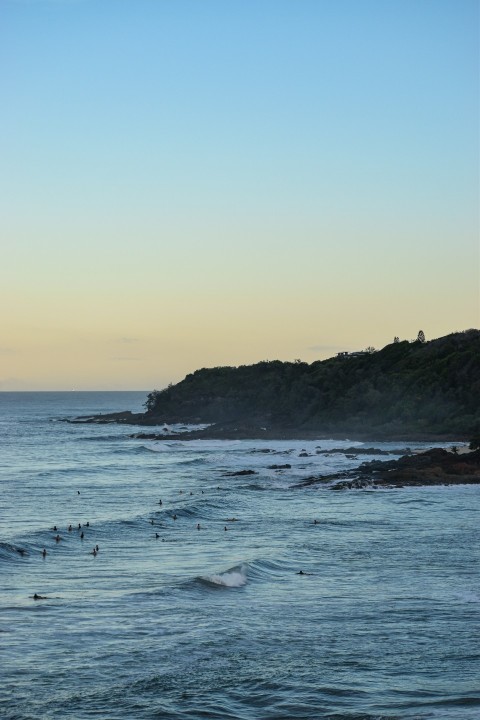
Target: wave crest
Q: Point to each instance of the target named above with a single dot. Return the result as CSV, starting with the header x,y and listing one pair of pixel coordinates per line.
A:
x,y
236,577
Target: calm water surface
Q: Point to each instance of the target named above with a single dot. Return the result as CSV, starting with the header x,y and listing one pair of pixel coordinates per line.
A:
x,y
215,623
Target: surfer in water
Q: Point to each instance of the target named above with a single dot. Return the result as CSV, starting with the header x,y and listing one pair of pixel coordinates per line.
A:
x,y
44,552
39,597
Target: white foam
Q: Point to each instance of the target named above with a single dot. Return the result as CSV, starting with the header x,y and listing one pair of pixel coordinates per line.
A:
x,y
232,578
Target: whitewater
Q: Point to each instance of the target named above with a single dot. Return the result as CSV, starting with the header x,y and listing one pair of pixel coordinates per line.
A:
x,y
224,596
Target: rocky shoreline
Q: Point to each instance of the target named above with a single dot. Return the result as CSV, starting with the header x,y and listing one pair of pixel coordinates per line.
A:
x,y
254,429
436,466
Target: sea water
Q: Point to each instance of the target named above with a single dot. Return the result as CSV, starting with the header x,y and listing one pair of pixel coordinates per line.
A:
x,y
206,615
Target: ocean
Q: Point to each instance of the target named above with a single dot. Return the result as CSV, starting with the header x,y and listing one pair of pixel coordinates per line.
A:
x,y
194,605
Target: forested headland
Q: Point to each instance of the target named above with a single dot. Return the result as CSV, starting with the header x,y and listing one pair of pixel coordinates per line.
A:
x,y
407,389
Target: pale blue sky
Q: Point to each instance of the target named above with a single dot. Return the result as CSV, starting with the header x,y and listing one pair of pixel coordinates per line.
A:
x,y
227,181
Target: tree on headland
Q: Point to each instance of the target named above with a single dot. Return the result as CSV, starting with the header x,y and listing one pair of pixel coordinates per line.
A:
x,y
152,400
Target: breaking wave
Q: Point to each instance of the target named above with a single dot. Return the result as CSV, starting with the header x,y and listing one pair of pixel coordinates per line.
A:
x,y
234,578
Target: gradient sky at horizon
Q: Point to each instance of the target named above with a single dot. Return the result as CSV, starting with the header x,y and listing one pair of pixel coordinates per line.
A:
x,y
192,183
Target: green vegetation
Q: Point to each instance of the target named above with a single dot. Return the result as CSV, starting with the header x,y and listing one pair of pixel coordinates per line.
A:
x,y
405,388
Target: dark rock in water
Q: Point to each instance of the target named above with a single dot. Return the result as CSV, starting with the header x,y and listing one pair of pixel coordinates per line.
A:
x,y
433,467
125,418
303,454
240,472
279,467
356,484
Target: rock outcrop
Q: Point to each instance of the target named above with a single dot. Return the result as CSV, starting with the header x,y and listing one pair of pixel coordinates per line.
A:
x,y
433,467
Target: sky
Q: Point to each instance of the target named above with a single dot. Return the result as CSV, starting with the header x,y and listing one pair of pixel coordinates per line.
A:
x,y
195,183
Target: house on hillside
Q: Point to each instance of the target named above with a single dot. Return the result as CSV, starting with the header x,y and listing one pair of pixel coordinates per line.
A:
x,y
358,353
